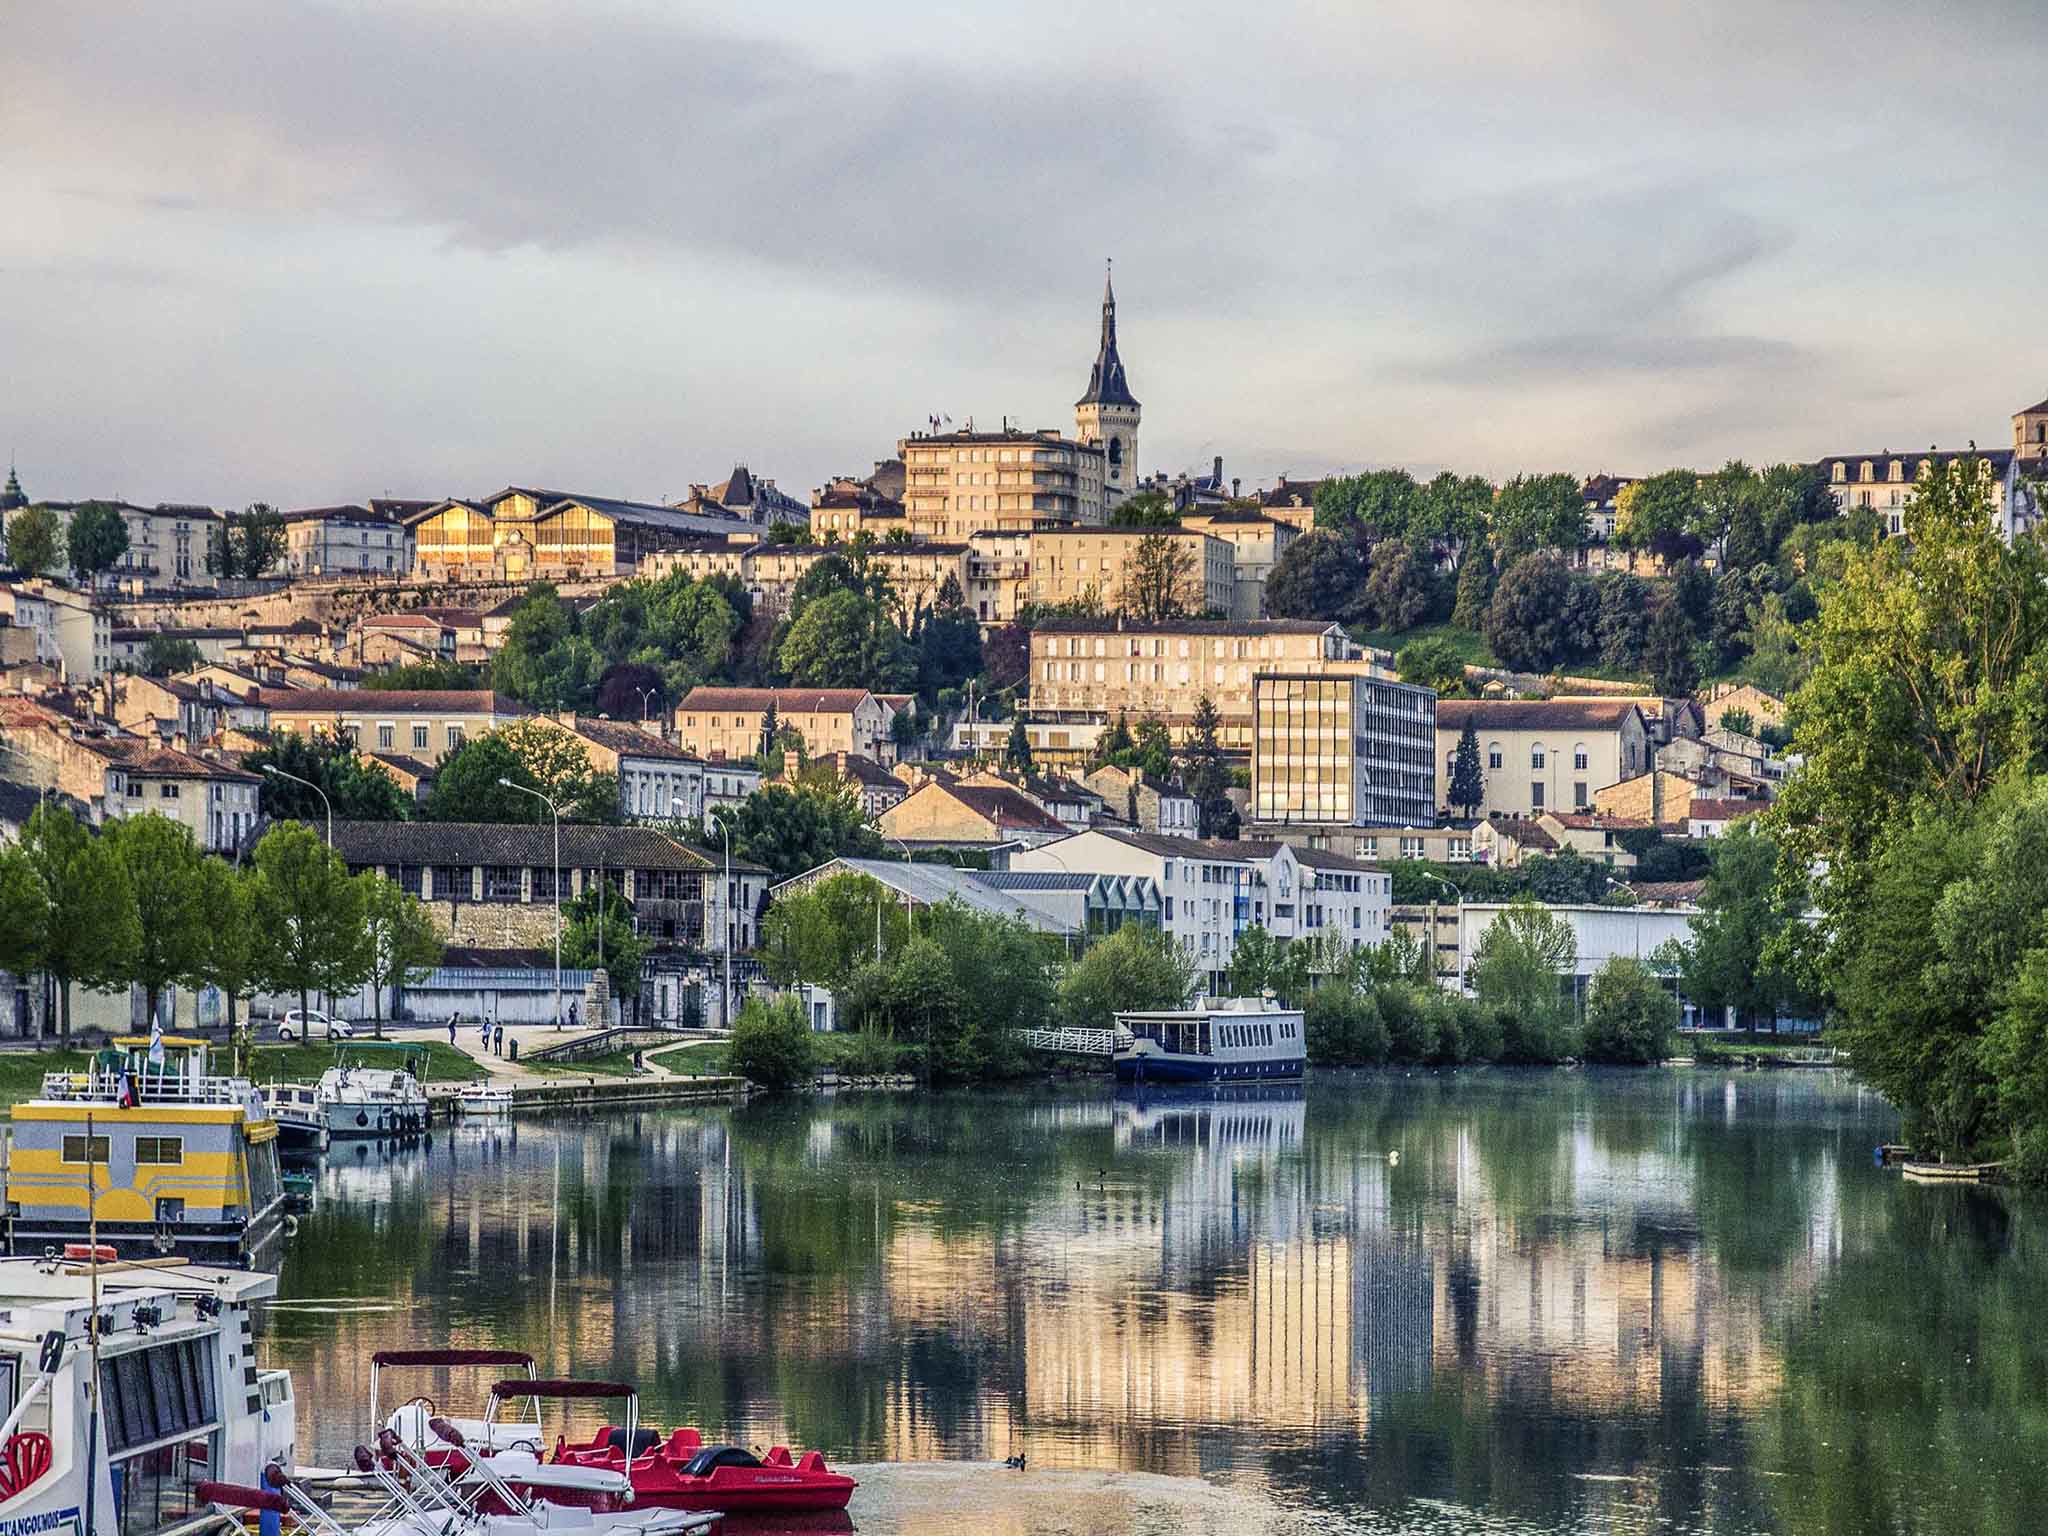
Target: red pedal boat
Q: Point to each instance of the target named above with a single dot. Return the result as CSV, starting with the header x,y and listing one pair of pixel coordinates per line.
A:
x,y
682,1472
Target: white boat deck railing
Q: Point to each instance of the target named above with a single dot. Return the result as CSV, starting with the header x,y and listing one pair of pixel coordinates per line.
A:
x,y
1075,1042
150,1088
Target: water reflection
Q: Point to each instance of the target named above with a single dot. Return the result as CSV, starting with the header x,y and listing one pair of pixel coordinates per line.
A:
x,y
1562,1301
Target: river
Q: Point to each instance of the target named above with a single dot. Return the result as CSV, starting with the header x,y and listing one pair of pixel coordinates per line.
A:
x,y
1672,1301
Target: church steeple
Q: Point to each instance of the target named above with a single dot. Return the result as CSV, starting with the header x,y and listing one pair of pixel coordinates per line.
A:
x,y
1106,382
11,499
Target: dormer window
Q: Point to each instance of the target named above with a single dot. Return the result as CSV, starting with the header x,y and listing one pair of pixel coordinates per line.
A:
x,y
1898,470
1868,475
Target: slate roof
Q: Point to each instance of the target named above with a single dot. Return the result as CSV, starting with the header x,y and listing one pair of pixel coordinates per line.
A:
x,y
469,843
1535,714
629,740
802,701
1291,493
391,701
1106,382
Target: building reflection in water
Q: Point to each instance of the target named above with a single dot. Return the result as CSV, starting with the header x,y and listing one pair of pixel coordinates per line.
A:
x,y
1184,1285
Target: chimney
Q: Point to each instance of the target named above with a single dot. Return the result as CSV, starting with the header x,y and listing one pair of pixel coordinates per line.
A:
x,y
1235,482
180,742
1216,469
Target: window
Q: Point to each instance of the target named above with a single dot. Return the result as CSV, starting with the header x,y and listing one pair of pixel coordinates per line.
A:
x,y
1579,757
386,735
159,1149
1536,757
167,791
76,1149
454,737
419,738
1493,757
1536,796
1579,795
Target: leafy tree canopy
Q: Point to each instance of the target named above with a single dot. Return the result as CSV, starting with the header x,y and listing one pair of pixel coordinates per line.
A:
x,y
359,790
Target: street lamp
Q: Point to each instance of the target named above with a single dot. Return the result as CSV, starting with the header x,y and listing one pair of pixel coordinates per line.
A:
x,y
1458,899
555,811
647,695
278,773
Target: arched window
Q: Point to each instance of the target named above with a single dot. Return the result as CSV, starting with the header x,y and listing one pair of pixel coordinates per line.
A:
x,y
1868,473
1536,755
1116,452
1841,472
1579,756
1493,754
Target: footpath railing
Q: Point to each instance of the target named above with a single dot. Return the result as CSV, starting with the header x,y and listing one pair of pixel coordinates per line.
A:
x,y
622,1037
1075,1042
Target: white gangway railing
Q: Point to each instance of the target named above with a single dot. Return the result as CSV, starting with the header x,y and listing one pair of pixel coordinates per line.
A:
x,y
1076,1042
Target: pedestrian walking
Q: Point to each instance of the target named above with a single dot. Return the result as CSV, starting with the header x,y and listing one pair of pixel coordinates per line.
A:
x,y
572,1015
451,1031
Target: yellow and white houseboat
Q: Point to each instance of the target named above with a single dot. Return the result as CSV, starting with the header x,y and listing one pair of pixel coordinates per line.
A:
x,y
153,1152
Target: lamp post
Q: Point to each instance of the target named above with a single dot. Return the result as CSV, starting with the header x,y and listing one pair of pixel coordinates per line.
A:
x,y
278,773
647,696
555,811
725,997
1429,943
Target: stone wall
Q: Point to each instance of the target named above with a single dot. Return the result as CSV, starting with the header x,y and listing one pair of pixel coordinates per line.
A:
x,y
493,925
339,603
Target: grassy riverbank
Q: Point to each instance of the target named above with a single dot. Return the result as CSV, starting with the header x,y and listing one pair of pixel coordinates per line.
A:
x,y
835,1052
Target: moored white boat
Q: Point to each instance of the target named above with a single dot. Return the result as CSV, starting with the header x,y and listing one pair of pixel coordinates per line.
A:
x,y
181,1398
375,1088
484,1100
1237,1039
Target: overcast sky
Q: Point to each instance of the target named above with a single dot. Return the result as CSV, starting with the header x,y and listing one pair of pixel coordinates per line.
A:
x,y
306,252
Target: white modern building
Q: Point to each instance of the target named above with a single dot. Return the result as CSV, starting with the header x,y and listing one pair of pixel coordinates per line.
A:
x,y
1212,891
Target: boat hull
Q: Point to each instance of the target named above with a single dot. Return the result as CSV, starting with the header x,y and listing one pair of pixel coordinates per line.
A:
x,y
229,1244
1162,1068
374,1121
301,1138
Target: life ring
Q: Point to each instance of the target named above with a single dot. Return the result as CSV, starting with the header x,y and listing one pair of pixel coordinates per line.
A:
x,y
362,1117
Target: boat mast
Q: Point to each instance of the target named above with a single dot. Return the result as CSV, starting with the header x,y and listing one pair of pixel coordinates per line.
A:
x,y
92,1329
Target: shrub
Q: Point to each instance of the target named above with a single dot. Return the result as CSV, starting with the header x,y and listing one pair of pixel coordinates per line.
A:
x,y
772,1043
870,1055
1341,1028
1630,1014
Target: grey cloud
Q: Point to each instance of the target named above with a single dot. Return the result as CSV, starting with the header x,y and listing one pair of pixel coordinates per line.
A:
x,y
559,129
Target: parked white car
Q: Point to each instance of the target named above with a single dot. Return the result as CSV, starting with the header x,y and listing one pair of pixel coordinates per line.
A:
x,y
311,1022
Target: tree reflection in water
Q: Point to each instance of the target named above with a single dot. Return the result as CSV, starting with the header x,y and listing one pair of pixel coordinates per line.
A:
x,y
1671,1300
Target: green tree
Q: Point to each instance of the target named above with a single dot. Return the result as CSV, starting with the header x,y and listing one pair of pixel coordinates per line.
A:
x,y
35,540
1432,662
1630,1014
948,645
792,828
1668,653
1467,789
1777,662
24,915
92,932
772,1043
1518,967
1537,514
1155,748
358,789
1456,509
1144,509
164,655
1749,904
1319,576
247,544
600,933
536,754
1626,613
163,869
1740,721
1116,745
921,1002
1527,622
544,661
424,676
1402,589
1258,961
228,957
403,944
97,538
1205,775
845,640
1135,968
1655,513
1162,578
823,934
1017,750
1929,675
1384,503
308,916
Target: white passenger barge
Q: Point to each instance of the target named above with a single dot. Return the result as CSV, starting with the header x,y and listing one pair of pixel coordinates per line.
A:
x,y
1232,1040
181,1399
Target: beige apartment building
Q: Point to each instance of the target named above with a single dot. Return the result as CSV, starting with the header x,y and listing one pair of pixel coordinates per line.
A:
x,y
959,484
1098,565
998,570
215,803
725,723
1256,542
844,508
1103,667
417,723
1538,755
